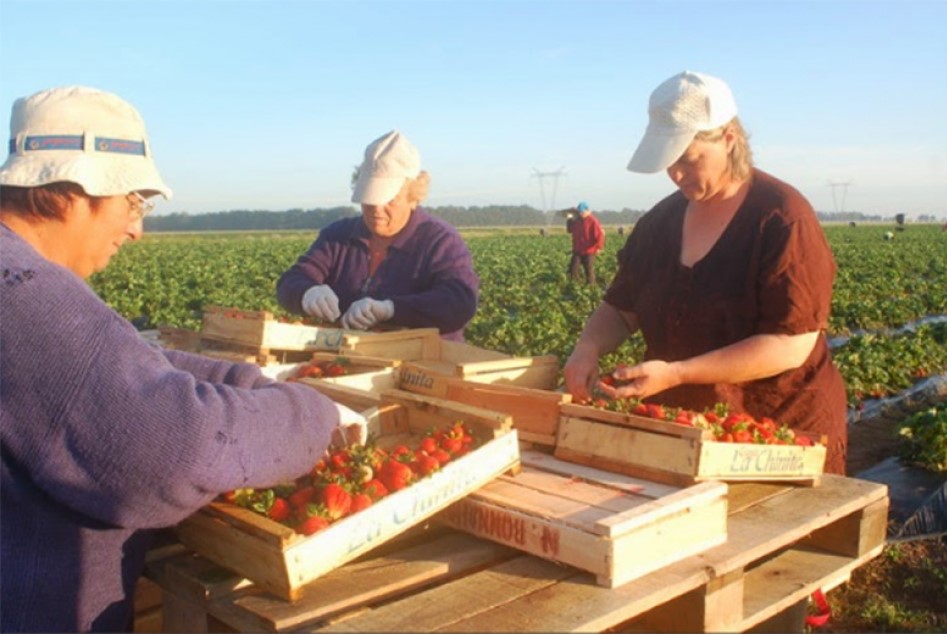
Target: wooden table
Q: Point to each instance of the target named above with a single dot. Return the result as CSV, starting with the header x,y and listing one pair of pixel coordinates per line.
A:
x,y
783,544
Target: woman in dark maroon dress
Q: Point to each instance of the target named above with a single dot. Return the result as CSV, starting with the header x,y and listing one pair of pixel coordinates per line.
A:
x,y
729,280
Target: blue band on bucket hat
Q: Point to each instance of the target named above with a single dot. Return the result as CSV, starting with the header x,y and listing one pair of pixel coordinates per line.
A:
x,y
38,143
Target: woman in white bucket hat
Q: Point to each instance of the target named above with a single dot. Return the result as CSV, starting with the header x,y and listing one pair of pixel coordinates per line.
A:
x,y
395,265
729,280
104,435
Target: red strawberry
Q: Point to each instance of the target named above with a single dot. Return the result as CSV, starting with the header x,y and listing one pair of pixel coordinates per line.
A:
x,y
426,464
395,475
302,497
279,511
312,524
375,489
338,501
360,501
441,456
429,445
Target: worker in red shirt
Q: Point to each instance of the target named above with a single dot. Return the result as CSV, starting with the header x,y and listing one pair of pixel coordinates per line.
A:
x,y
587,240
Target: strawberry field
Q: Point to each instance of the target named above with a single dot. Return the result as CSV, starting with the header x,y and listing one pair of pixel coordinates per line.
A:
x,y
888,323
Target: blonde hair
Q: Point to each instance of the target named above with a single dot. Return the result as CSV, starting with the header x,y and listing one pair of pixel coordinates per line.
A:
x,y
740,159
416,189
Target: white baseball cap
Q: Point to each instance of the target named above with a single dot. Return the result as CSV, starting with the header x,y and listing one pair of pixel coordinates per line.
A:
x,y
679,108
84,136
389,161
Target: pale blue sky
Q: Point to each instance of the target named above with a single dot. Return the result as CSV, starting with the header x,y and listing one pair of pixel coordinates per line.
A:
x,y
266,104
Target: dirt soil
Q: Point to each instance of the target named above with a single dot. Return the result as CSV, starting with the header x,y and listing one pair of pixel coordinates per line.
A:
x,y
905,588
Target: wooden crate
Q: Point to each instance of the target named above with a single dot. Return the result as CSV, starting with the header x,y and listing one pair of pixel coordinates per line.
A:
x,y
616,527
535,412
261,330
677,454
464,361
283,562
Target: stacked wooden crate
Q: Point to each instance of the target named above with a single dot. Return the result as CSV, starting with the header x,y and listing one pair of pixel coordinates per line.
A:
x,y
282,561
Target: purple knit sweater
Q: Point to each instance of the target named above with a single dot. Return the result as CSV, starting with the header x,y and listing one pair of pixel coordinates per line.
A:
x,y
104,435
428,273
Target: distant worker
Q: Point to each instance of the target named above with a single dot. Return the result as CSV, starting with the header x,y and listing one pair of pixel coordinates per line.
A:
x,y
395,264
587,240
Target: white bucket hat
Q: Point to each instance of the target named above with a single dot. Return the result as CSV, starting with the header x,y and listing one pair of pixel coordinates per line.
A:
x,y
389,161
84,136
679,108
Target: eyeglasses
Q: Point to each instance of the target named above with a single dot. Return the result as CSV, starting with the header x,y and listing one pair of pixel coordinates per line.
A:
x,y
139,206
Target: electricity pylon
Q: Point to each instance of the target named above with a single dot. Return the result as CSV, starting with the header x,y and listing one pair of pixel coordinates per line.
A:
x,y
542,176
844,185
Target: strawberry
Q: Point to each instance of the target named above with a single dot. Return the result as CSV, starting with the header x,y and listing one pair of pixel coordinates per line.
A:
x,y
337,500
334,369
279,511
426,464
361,501
441,456
428,445
395,475
312,524
302,497
375,489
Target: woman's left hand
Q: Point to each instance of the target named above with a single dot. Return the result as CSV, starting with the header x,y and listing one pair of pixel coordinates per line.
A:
x,y
366,312
642,380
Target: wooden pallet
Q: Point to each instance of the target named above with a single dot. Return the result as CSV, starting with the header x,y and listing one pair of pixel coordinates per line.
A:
x,y
784,542
616,527
277,558
677,454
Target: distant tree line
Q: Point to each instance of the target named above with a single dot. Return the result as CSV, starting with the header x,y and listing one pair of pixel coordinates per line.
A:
x,y
315,219
489,216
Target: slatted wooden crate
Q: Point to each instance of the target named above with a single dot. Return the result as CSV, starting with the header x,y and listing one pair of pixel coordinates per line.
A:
x,y
464,361
677,454
283,562
535,412
616,527
261,330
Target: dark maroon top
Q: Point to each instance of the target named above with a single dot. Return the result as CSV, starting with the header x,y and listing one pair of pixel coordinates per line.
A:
x,y
770,272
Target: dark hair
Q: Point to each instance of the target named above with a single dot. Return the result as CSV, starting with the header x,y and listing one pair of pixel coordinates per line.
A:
x,y
46,202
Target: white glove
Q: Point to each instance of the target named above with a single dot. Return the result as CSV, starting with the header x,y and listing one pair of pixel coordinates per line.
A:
x,y
367,312
321,302
352,429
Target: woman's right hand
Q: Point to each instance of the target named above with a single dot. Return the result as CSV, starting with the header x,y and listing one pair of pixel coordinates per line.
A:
x,y
581,373
321,302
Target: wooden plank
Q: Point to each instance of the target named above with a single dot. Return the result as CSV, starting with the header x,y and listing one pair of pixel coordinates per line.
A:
x,y
861,532
364,583
631,420
181,615
549,463
609,499
593,443
456,352
535,412
685,501
452,606
423,408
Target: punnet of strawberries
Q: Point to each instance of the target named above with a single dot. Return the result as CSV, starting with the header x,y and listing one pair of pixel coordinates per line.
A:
x,y
726,426
349,480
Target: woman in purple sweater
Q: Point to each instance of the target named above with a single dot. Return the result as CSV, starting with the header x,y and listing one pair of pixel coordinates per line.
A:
x,y
103,435
396,264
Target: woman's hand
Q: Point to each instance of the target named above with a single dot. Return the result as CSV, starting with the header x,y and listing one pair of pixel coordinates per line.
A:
x,y
321,302
642,380
366,312
352,429
581,373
